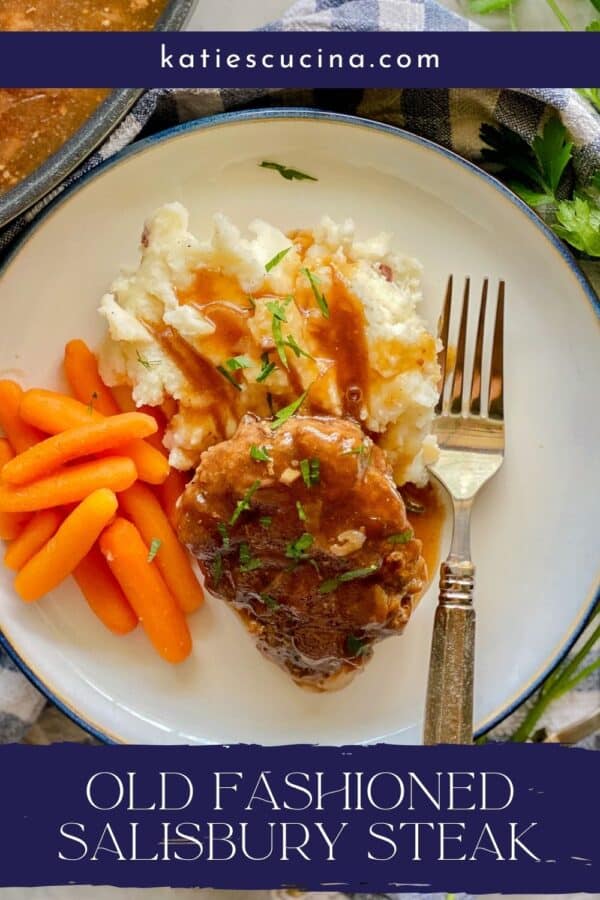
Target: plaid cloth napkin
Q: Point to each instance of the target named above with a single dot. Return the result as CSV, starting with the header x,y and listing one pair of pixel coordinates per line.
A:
x,y
450,117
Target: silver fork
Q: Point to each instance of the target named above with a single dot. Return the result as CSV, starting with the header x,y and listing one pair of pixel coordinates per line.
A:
x,y
471,440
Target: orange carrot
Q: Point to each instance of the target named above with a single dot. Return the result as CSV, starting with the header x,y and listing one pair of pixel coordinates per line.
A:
x,y
71,543
10,523
56,412
158,611
69,485
104,596
20,435
125,402
81,369
170,492
146,513
74,443
34,535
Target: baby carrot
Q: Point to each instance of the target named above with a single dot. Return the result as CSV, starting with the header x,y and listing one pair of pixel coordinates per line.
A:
x,y
71,543
125,402
104,596
170,492
55,412
74,443
69,485
81,369
158,611
20,435
10,523
34,535
142,507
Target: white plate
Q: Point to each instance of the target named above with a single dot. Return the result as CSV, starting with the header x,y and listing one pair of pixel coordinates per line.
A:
x,y
535,524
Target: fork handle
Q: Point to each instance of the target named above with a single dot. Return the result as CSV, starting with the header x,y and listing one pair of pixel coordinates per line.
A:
x,y
449,707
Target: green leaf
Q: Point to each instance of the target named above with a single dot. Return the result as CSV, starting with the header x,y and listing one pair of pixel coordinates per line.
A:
x,y
277,311
222,529
297,549
244,504
532,198
403,537
154,548
301,511
269,601
311,471
284,414
260,454
286,172
510,153
487,6
276,259
265,521
146,363
267,368
331,584
318,294
233,365
355,646
248,563
553,150
578,223
593,26
592,94
290,341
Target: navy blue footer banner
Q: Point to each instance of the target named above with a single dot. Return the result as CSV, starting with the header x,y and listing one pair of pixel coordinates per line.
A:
x,y
496,818
298,59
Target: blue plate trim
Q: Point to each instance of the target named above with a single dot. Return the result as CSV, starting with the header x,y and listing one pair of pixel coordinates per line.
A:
x,y
306,113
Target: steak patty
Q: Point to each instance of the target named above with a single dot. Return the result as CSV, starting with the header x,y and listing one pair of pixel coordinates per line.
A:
x,y
301,528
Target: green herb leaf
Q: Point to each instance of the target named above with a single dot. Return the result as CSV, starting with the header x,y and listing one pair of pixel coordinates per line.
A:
x,y
269,601
146,363
578,222
260,454
284,414
311,471
301,511
553,151
267,368
265,521
277,311
593,26
487,6
248,563
276,259
222,529
154,548
318,294
291,343
332,584
244,504
403,537
216,570
286,172
297,549
233,365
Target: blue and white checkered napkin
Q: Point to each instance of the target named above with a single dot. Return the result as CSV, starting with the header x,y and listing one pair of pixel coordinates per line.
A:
x,y
451,117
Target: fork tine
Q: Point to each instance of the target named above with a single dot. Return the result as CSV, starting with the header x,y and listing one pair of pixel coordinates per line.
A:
x,y
496,394
443,332
456,397
475,399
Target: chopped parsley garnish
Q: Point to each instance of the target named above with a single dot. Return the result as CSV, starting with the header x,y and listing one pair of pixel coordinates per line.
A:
x,y
318,293
93,398
269,601
233,365
301,511
297,549
260,454
267,368
277,311
248,563
361,450
277,259
286,172
403,537
265,521
146,363
311,471
293,345
244,504
287,412
332,584
355,646
154,548
216,570
222,529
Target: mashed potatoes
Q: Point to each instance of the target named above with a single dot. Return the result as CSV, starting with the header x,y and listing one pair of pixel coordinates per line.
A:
x,y
238,324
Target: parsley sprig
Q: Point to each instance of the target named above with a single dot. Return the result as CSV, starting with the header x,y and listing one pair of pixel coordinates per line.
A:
x,y
234,364
245,503
286,172
318,294
276,259
332,584
538,175
483,7
282,415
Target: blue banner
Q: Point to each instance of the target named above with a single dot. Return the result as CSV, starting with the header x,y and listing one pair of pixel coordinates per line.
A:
x,y
298,59
502,818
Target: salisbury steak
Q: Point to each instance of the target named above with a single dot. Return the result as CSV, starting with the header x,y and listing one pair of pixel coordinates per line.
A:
x,y
303,531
